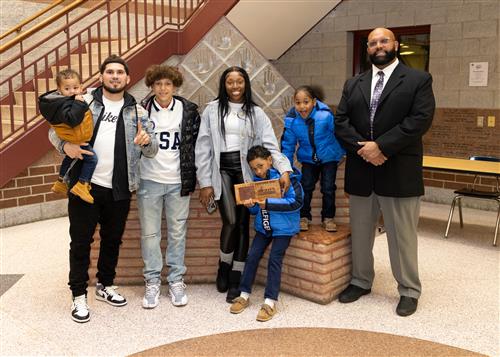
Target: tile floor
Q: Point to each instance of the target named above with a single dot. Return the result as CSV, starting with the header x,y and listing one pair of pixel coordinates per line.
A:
x,y
459,305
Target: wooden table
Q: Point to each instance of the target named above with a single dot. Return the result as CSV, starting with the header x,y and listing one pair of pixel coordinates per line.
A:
x,y
463,165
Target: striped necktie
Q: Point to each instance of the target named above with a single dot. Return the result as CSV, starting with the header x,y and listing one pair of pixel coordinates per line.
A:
x,y
377,91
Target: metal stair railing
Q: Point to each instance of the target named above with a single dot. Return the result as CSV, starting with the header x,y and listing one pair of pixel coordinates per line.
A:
x,y
30,19
85,39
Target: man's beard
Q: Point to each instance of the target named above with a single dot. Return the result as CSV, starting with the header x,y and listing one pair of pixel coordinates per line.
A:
x,y
114,90
383,60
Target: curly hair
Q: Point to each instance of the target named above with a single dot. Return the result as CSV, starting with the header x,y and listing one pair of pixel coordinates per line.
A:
x,y
158,71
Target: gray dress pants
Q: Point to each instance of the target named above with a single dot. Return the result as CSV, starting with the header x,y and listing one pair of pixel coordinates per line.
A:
x,y
400,221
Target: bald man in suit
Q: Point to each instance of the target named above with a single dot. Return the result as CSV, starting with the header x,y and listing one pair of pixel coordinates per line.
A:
x,y
380,121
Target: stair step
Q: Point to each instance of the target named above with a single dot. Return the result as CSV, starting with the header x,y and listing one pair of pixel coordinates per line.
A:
x,y
55,70
94,47
18,113
30,98
41,85
75,59
6,128
85,70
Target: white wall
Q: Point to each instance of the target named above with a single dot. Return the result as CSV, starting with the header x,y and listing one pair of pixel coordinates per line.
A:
x,y
273,26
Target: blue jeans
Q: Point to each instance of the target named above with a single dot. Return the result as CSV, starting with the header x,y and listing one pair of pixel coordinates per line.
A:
x,y
88,165
310,175
278,249
152,199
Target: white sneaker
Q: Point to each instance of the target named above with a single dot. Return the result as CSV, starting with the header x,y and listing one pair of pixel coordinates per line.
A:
x,y
109,295
177,293
80,309
152,294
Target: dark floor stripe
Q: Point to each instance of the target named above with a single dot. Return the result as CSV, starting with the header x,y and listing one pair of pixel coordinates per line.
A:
x,y
7,281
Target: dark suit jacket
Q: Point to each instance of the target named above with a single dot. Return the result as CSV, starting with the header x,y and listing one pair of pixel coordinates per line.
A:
x,y
404,114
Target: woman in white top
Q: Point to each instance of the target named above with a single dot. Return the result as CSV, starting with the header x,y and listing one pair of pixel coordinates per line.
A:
x,y
230,125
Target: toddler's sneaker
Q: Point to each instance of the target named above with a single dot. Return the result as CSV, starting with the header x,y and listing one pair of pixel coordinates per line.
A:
x,y
177,293
239,304
82,190
60,188
266,313
109,295
152,295
80,309
329,225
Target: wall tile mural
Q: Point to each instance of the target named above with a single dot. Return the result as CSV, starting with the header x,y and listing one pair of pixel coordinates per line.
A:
x,y
225,46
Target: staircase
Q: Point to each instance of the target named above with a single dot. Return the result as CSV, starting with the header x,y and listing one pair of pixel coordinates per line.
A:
x,y
85,63
133,29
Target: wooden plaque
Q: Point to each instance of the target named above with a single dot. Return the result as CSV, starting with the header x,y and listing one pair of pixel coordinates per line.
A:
x,y
257,190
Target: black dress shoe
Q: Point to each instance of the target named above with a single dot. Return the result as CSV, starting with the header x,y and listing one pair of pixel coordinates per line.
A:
x,y
352,293
407,306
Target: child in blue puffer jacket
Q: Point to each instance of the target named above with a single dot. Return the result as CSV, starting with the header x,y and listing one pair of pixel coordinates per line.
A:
x,y
311,125
277,221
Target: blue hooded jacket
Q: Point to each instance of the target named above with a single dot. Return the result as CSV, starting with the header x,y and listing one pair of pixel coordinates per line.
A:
x,y
315,136
282,215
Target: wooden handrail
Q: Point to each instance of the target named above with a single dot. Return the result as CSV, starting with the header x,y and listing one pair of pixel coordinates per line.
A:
x,y
41,12
74,4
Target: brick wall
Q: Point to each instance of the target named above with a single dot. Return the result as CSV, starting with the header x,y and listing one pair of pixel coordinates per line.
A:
x,y
454,181
202,247
33,184
317,265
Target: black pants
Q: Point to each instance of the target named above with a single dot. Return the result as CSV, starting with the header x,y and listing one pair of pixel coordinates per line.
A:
x,y
83,218
235,218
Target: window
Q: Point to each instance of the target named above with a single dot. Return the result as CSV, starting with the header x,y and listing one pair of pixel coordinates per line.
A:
x,y
414,47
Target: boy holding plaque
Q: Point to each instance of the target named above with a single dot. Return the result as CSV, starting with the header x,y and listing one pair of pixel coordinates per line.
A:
x,y
277,220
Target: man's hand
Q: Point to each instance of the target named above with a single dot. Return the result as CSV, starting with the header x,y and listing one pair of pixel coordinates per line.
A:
x,y
205,194
371,153
142,138
284,182
75,151
379,160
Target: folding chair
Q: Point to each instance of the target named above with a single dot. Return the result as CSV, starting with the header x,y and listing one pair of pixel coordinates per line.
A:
x,y
478,194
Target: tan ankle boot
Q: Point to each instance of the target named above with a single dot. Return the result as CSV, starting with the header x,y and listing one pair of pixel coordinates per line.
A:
x,y
82,190
60,187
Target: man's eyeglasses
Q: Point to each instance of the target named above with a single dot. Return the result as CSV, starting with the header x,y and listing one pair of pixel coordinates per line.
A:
x,y
374,43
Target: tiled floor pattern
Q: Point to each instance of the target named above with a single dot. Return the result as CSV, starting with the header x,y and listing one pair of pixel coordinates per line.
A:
x,y
459,306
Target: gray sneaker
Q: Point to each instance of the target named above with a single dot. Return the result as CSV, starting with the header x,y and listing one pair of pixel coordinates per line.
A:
x,y
177,293
152,295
